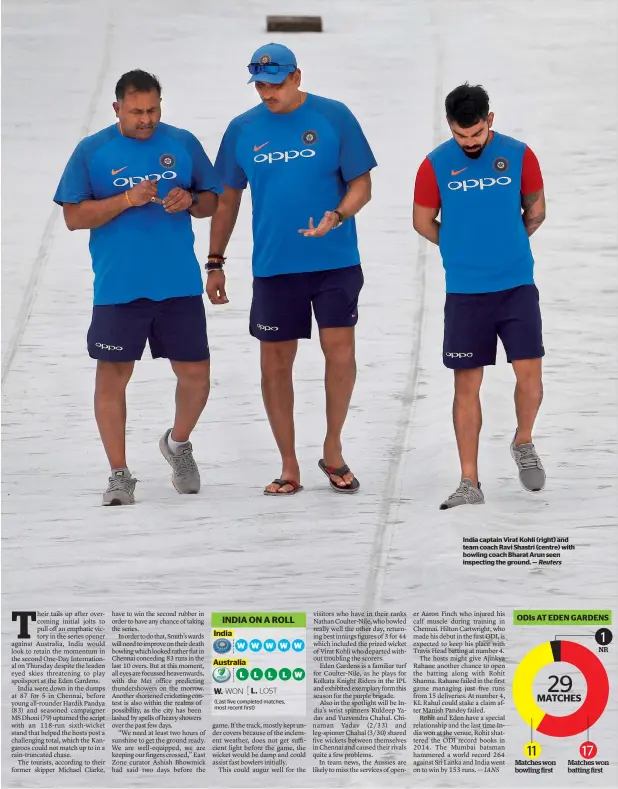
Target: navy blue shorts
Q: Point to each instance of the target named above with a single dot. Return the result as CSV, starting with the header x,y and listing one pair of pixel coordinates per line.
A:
x,y
174,328
281,306
473,322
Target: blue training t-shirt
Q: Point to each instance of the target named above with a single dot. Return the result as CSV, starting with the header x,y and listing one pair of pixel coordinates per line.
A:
x,y
144,252
298,165
483,241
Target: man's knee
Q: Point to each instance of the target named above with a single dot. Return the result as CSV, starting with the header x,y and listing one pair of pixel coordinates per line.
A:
x,y
468,383
529,376
338,345
340,354
530,382
194,375
277,358
113,376
531,387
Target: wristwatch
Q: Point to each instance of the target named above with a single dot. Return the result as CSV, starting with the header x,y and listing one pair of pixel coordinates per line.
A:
x,y
341,217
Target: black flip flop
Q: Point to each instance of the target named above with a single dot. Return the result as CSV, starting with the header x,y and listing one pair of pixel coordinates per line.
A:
x,y
351,487
281,482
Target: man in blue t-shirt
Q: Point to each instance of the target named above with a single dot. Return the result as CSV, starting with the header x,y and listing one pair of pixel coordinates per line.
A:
x,y
489,190
305,158
135,185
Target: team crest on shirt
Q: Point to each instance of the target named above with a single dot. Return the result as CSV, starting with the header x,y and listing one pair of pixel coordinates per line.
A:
x,y
167,160
501,165
265,59
310,137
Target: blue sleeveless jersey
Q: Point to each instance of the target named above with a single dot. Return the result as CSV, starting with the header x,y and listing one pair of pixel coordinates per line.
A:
x,y
483,240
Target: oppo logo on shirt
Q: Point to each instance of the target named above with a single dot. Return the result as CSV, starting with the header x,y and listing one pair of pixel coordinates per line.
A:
x,y
481,183
283,156
135,179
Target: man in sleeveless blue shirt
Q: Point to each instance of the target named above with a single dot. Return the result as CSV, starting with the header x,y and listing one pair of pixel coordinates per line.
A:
x,y
481,181
305,158
135,185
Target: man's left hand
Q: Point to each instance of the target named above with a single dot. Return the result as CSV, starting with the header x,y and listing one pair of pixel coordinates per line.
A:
x,y
177,200
329,221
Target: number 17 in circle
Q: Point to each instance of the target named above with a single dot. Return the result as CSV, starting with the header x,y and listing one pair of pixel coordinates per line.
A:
x,y
588,749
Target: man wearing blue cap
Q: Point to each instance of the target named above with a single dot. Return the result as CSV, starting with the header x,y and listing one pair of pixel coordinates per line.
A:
x,y
304,157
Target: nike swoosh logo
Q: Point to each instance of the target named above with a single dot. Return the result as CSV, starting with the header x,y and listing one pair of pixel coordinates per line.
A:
x,y
456,172
115,172
258,147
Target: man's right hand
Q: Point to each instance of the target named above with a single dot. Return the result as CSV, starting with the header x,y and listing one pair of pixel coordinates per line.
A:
x,y
215,287
142,192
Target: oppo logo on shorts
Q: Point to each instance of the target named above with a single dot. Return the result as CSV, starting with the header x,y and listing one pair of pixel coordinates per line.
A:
x,y
481,183
105,347
459,355
135,179
267,328
283,156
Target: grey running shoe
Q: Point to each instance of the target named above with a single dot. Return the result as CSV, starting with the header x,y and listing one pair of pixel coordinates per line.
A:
x,y
466,493
120,489
185,474
531,471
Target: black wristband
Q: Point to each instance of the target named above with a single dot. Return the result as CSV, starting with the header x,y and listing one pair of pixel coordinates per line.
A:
x,y
214,265
341,217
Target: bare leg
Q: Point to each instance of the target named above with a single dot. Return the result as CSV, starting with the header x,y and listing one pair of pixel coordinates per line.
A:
x,y
467,418
277,360
192,390
110,408
339,349
528,396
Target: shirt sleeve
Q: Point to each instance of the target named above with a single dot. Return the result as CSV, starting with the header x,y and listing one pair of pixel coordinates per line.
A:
x,y
226,164
426,189
355,155
203,176
531,178
75,185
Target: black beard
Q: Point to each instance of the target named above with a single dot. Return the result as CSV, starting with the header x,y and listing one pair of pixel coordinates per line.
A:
x,y
474,154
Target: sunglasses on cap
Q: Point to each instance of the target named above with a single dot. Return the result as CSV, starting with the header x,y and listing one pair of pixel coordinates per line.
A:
x,y
269,68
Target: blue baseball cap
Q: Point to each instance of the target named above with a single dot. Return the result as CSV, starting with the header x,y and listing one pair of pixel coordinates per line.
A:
x,y
277,54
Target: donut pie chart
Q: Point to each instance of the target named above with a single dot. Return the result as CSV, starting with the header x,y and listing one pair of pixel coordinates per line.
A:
x,y
596,680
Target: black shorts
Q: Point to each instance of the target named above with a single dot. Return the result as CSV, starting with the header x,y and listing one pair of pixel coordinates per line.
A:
x,y
281,307
473,322
174,328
